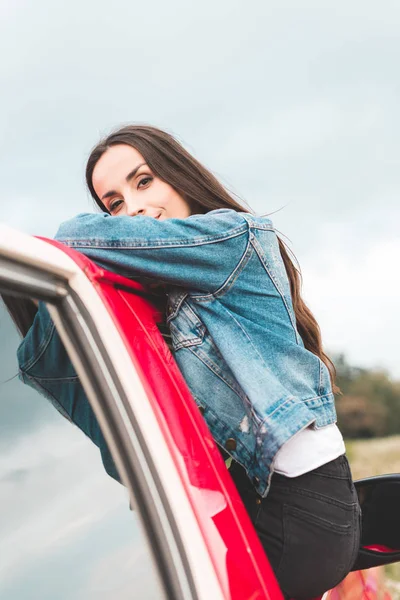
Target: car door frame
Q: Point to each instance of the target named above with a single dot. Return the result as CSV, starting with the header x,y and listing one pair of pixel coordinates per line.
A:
x,y
30,268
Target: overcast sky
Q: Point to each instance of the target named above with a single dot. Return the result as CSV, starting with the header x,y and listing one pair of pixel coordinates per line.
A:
x,y
295,105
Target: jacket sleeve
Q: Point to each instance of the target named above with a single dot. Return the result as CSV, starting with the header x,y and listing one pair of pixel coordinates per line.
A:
x,y
199,252
45,366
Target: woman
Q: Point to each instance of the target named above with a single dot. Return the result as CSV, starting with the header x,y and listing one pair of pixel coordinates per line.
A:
x,y
239,328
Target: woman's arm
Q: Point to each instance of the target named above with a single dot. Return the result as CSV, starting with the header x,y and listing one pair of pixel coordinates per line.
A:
x,y
199,252
45,366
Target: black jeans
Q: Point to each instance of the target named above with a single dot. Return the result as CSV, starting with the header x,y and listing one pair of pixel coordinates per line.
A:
x,y
309,526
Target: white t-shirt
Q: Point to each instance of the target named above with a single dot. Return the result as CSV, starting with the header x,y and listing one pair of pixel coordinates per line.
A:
x,y
309,449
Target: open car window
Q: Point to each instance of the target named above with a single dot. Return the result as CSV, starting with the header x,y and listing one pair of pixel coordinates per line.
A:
x,y
66,530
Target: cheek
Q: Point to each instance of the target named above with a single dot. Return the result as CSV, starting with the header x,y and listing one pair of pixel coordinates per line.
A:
x,y
172,199
162,192
182,206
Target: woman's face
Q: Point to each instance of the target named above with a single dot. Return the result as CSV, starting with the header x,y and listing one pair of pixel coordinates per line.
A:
x,y
126,186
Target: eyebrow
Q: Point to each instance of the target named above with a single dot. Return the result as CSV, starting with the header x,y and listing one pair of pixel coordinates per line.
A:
x,y
128,178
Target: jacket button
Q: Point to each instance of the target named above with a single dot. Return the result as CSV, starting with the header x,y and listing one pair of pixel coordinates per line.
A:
x,y
230,444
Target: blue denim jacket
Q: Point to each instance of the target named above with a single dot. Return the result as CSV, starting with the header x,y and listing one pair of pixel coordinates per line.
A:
x,y
232,323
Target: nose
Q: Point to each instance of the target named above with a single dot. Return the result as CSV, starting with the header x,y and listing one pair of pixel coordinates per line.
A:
x,y
139,211
134,204
134,209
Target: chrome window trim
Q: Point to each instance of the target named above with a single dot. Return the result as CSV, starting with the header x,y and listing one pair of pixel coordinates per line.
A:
x,y
126,443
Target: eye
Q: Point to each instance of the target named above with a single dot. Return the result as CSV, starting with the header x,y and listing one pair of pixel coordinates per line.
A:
x,y
144,182
114,205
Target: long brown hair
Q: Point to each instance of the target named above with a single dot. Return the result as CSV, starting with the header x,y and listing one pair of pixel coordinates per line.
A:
x,y
169,161
21,310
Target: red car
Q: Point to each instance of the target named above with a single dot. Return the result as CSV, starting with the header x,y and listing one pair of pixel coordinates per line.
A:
x,y
198,533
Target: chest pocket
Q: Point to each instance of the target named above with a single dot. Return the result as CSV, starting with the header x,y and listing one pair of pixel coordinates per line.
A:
x,y
184,324
188,331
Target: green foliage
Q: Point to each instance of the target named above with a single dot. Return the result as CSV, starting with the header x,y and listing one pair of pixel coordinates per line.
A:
x,y
370,404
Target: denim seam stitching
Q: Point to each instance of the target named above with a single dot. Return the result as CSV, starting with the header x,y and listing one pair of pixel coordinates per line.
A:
x,y
317,520
320,376
285,540
329,395
54,401
355,545
186,343
327,476
194,341
258,251
155,244
254,225
72,379
289,400
41,348
318,496
177,304
248,337
231,279
210,366
277,408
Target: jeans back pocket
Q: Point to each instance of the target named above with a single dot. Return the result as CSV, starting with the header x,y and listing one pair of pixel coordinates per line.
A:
x,y
318,550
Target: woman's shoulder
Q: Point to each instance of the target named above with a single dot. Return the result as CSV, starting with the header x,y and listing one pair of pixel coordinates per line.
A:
x,y
239,217
258,221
